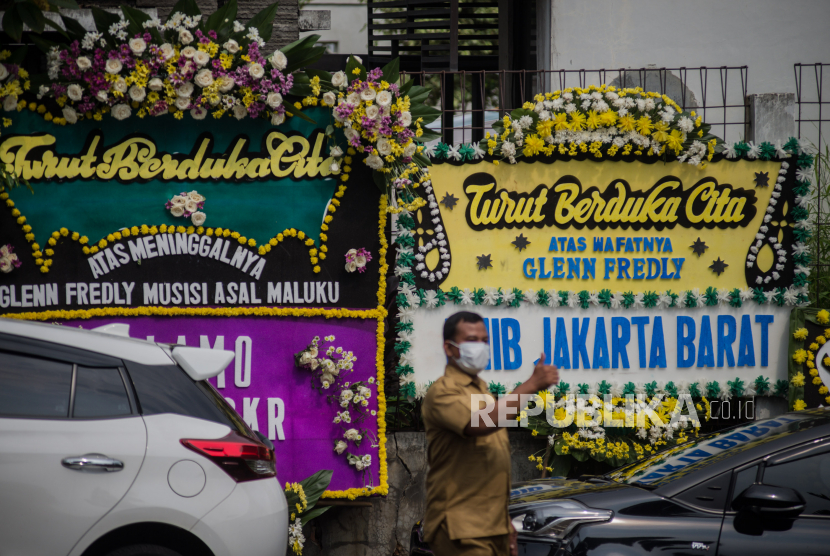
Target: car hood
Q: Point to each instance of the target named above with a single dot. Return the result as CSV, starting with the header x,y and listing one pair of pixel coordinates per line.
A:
x,y
555,488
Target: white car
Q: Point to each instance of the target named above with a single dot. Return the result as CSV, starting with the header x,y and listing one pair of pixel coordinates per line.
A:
x,y
112,446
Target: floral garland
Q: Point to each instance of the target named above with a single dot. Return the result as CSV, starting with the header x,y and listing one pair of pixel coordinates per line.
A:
x,y
602,121
151,311
328,368
586,436
183,65
382,120
807,358
383,488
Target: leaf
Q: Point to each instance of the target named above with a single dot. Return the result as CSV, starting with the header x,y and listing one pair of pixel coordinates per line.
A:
x,y
135,18
187,7
429,134
305,58
350,67
379,180
31,16
13,23
311,514
305,42
302,53
264,21
580,456
56,26
18,56
215,21
76,30
391,71
68,4
421,160
103,20
404,89
325,77
561,466
329,130
316,485
298,114
43,44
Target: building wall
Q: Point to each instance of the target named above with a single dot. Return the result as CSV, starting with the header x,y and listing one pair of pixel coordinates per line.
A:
x,y
769,36
348,25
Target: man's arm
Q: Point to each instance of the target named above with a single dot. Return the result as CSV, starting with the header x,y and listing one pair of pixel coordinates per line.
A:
x,y
543,376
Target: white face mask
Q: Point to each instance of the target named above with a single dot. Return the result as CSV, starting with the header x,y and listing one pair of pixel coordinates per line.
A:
x,y
473,356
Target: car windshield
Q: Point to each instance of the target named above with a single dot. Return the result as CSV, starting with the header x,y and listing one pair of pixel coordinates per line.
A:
x,y
668,465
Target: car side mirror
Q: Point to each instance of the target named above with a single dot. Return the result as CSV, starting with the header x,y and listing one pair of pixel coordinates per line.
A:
x,y
770,501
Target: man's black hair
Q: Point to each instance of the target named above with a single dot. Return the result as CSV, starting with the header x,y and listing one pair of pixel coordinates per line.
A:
x,y
451,323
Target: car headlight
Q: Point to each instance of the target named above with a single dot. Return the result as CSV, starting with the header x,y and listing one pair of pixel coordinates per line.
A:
x,y
554,519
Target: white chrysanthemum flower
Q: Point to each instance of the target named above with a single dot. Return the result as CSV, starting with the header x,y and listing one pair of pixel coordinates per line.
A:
x,y
478,152
806,146
454,152
491,296
531,296
685,124
466,297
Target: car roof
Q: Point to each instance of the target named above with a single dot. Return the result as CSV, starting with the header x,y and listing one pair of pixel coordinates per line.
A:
x,y
121,347
790,430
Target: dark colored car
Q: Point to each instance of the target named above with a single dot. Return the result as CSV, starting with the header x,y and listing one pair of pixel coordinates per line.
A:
x,y
761,488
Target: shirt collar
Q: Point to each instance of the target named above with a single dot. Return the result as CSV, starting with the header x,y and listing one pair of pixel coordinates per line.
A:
x,y
463,379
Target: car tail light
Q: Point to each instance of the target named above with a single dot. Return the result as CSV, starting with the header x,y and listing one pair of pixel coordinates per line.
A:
x,y
241,458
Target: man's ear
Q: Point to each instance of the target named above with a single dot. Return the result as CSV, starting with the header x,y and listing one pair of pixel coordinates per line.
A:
x,y
448,349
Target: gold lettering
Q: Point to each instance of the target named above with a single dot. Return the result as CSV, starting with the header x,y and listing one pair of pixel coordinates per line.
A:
x,y
564,206
121,159
509,206
653,202
705,191
539,204
599,203
735,210
190,168
24,144
478,190
313,161
168,167
582,211
232,166
87,170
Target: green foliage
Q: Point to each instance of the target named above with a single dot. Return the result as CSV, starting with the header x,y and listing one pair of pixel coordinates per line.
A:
x,y
313,487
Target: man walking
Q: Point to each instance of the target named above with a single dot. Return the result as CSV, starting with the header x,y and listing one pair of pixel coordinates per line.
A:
x,y
468,483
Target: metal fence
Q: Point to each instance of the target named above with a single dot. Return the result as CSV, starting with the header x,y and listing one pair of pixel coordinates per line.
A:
x,y
813,124
470,101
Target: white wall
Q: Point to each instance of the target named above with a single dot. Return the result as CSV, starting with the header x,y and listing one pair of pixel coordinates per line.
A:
x,y
348,25
769,36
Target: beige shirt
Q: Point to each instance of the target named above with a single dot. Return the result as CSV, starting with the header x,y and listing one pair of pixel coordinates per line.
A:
x,y
468,483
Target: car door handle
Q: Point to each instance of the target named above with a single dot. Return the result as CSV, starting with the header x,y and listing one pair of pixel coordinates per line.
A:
x,y
92,462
